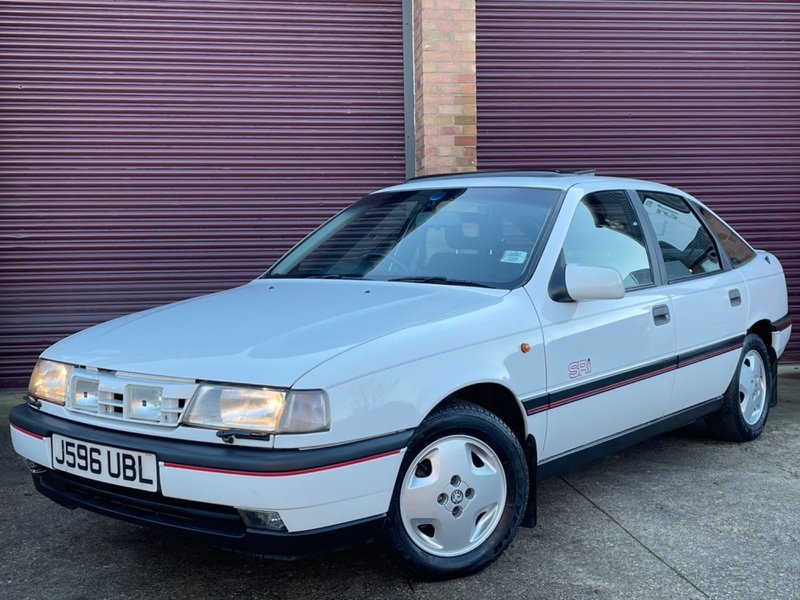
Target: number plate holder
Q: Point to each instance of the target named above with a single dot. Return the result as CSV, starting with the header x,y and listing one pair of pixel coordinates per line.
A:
x,y
115,466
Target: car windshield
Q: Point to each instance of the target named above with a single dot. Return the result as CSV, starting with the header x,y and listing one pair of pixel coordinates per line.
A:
x,y
466,236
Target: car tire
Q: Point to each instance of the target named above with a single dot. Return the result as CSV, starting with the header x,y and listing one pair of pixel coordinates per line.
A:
x,y
745,405
460,495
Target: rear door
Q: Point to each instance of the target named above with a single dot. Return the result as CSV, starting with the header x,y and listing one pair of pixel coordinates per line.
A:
x,y
709,298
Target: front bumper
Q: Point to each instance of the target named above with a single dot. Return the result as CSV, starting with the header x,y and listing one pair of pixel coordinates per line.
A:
x,y
208,523
328,498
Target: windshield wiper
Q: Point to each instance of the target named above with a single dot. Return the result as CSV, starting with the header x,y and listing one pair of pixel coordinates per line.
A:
x,y
313,276
441,280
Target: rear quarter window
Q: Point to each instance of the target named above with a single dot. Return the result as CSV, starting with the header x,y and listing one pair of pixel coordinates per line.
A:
x,y
738,250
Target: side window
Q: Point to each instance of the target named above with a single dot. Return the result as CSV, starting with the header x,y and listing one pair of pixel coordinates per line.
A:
x,y
605,232
738,250
686,245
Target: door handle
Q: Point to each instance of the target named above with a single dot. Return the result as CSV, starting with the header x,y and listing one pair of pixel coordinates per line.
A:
x,y
661,314
735,297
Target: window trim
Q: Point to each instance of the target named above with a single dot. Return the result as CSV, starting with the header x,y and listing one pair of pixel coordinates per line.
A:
x,y
651,240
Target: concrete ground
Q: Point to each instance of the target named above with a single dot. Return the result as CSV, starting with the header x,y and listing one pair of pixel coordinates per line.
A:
x,y
679,517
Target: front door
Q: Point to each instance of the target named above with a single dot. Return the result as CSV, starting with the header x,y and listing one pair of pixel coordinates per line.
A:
x,y
610,363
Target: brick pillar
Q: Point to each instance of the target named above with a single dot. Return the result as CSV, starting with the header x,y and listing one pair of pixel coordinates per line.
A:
x,y
445,111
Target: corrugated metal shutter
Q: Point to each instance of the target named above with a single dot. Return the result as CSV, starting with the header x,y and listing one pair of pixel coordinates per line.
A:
x,y
701,95
152,151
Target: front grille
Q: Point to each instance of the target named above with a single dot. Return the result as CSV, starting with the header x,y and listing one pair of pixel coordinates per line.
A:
x,y
128,398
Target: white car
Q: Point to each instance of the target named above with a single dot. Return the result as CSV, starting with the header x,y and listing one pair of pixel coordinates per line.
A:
x,y
412,367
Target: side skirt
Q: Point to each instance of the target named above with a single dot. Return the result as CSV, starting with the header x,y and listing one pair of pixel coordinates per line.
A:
x,y
580,456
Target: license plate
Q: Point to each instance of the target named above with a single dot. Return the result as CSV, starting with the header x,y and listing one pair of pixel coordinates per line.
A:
x,y
127,468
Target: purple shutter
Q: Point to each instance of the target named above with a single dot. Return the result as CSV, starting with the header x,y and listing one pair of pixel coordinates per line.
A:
x,y
701,95
153,151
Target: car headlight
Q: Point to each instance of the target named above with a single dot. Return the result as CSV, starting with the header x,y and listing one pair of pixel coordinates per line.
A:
x,y
49,381
264,410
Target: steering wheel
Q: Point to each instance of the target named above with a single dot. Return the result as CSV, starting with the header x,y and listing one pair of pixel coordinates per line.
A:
x,y
708,254
376,257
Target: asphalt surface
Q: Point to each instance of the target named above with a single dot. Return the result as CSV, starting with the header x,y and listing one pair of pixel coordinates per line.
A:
x,y
678,517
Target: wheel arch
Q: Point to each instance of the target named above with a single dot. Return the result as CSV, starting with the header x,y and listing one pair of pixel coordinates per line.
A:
x,y
497,399
763,329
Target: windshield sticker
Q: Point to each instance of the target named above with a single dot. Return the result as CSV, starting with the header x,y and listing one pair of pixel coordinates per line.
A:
x,y
516,257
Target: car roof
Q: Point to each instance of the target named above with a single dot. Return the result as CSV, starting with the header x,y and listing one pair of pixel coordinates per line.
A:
x,y
550,179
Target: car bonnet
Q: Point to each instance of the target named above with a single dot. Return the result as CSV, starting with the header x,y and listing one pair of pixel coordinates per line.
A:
x,y
268,332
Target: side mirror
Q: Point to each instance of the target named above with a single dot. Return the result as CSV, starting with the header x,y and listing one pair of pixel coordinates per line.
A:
x,y
593,283
579,282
